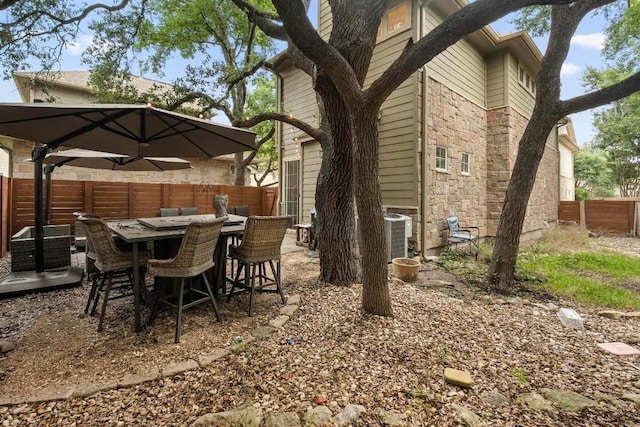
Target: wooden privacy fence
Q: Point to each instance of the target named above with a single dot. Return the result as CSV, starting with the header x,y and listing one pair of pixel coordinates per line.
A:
x,y
602,216
120,200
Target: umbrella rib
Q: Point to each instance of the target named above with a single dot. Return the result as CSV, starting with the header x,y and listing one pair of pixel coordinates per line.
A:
x,y
93,125
193,128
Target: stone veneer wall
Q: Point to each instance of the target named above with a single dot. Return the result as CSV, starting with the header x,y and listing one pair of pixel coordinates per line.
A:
x,y
505,127
208,171
459,125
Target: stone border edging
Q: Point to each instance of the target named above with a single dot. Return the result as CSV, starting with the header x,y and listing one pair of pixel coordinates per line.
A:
x,y
202,360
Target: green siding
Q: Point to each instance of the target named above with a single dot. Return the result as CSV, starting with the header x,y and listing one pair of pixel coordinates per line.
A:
x,y
496,91
519,97
461,67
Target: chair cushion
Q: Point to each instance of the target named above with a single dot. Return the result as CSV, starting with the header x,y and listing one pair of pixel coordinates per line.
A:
x,y
462,236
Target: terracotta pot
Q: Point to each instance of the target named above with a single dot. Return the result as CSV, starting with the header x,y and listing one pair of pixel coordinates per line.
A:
x,y
405,269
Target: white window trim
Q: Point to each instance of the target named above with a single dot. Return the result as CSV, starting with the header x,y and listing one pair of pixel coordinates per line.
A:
x,y
446,160
531,89
468,163
384,34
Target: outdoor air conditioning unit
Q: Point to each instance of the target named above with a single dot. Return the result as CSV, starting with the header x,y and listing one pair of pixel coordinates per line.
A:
x,y
397,230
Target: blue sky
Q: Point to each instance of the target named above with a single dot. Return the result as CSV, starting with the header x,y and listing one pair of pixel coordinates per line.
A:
x,y
585,50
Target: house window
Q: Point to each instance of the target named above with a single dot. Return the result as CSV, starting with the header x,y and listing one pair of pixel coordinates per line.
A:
x,y
441,158
526,81
465,167
232,169
396,19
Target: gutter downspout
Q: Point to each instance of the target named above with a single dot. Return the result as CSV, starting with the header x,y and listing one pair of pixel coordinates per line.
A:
x,y
279,142
424,165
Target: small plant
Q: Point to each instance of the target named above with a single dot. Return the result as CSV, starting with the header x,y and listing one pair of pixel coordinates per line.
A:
x,y
520,375
441,354
417,393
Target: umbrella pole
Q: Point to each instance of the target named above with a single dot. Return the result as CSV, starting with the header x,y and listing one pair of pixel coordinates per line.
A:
x,y
38,153
47,193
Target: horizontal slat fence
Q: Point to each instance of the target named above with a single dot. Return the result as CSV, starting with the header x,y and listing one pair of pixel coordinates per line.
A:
x,y
118,200
602,216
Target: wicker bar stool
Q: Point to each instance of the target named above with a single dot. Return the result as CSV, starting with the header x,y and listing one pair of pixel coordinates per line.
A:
x,y
194,257
112,263
260,246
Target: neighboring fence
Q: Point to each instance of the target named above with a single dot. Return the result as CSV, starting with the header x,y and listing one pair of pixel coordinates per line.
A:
x,y
602,216
120,200
5,205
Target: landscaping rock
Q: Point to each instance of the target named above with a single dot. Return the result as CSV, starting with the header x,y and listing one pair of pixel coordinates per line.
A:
x,y
349,414
632,397
246,416
282,419
535,402
467,417
6,346
317,416
570,319
569,401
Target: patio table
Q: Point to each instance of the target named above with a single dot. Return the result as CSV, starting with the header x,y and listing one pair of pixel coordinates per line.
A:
x,y
136,231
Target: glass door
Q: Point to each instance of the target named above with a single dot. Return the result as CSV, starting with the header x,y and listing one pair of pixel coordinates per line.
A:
x,y
291,190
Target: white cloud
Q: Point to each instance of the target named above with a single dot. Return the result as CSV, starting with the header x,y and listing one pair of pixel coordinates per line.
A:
x,y
569,69
78,46
591,41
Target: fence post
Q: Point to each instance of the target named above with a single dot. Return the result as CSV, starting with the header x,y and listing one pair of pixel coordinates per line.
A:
x,y
583,215
634,233
88,197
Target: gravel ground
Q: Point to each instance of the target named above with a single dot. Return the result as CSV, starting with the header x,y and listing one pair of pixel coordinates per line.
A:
x,y
335,351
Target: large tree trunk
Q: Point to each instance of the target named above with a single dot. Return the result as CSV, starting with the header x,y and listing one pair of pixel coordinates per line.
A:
x,y
375,292
240,169
339,260
546,113
530,152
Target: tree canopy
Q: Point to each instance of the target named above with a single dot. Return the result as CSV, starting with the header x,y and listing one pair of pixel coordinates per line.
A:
x,y
592,172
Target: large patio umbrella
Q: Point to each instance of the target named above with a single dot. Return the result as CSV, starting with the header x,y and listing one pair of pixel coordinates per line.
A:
x,y
134,130
101,160
91,159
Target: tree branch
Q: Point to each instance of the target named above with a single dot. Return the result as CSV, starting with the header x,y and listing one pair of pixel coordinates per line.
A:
x,y
263,19
601,97
5,4
305,37
60,22
285,118
463,22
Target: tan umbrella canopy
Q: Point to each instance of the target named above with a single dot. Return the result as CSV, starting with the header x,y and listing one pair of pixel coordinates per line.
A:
x,y
79,157
133,130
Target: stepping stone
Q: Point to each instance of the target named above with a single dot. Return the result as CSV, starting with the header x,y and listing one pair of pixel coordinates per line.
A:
x,y
459,378
619,348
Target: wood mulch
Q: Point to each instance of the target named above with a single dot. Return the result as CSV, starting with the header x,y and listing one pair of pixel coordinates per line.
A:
x,y
329,348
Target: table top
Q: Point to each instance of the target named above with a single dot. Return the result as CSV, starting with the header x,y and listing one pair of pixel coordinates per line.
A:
x,y
132,230
169,222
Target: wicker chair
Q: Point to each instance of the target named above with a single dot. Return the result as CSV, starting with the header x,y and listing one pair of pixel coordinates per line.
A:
x,y
111,263
194,257
260,245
